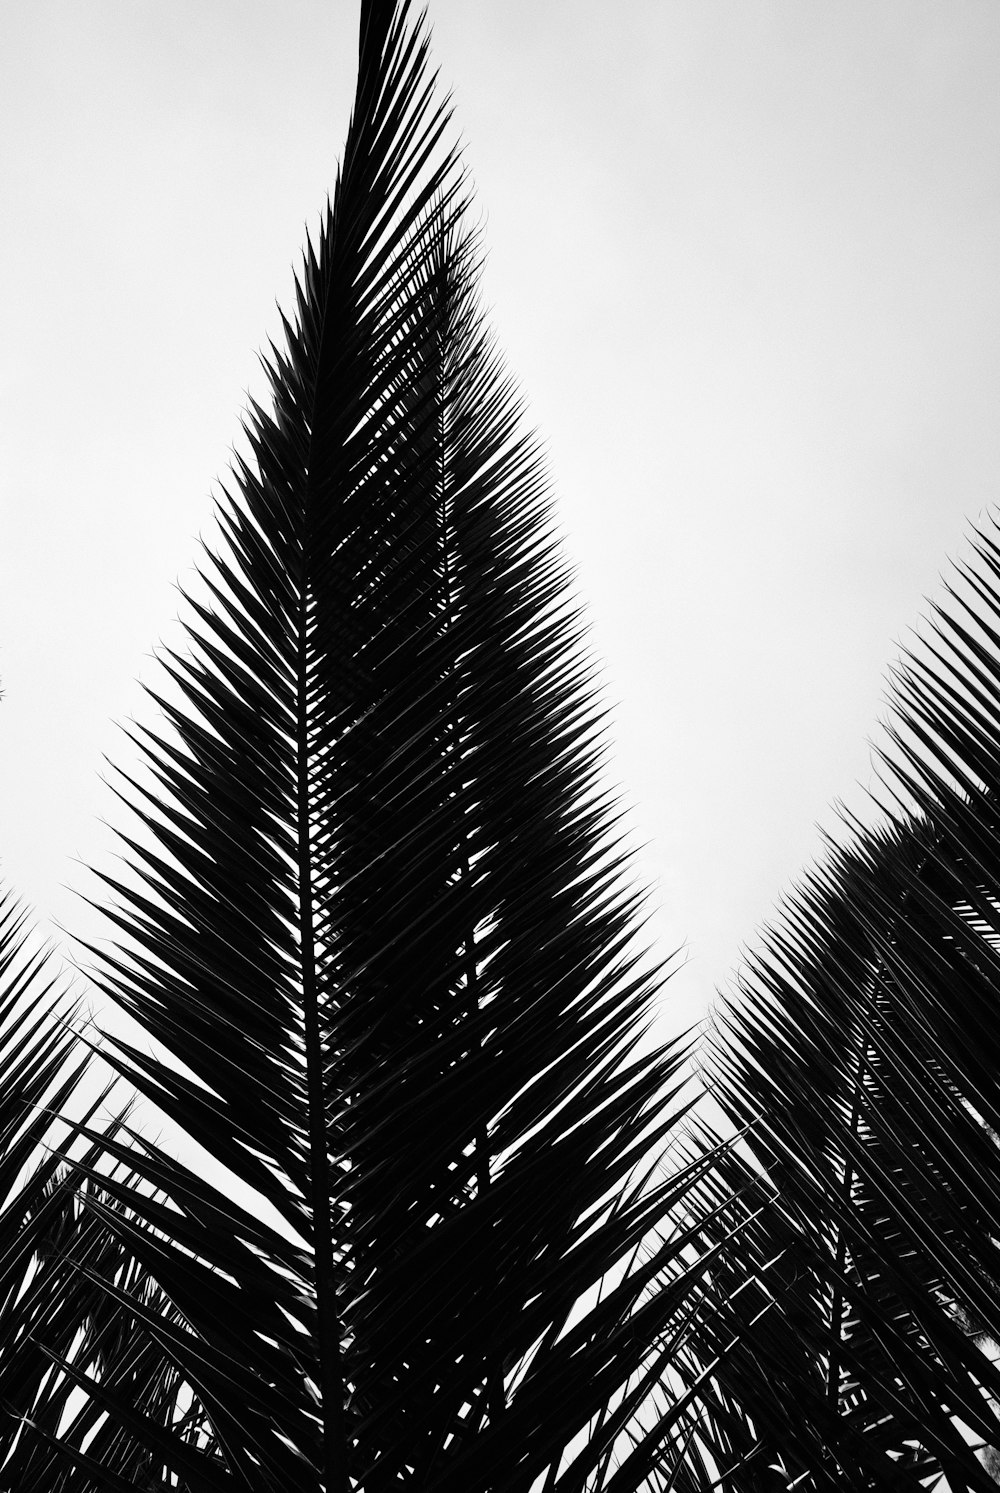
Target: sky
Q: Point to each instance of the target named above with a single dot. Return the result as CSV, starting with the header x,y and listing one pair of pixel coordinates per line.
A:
x,y
742,260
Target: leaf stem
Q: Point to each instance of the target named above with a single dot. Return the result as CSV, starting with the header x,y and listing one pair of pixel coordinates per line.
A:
x,y
331,1377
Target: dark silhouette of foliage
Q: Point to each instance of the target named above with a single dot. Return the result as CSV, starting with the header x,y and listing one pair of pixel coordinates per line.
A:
x,y
862,1054
381,918
380,927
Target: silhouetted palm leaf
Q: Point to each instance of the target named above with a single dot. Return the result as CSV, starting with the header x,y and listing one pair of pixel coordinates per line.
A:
x,y
865,1052
41,1066
79,1303
381,917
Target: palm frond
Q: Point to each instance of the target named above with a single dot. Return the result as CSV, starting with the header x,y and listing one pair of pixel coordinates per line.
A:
x,y
863,1052
381,915
81,1305
42,1067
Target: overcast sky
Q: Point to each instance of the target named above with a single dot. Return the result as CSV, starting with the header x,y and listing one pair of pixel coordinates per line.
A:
x,y
743,260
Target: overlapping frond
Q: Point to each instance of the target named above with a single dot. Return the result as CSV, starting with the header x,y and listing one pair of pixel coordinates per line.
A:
x,y
863,1053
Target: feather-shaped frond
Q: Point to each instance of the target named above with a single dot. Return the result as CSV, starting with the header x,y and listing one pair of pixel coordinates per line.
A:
x,y
864,1053
381,915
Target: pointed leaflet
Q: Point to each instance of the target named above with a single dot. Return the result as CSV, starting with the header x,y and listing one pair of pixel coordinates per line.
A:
x,y
383,922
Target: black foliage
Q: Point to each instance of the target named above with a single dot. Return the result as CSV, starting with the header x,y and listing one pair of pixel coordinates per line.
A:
x,y
380,914
454,1228
863,1052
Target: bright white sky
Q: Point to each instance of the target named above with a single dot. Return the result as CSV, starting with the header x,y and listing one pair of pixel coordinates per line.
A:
x,y
743,259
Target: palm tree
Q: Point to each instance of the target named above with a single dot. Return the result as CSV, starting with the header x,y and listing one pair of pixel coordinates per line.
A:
x,y
380,924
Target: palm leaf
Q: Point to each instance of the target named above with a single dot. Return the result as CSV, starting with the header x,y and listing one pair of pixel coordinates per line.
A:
x,y
83,1333
864,1051
57,1260
380,914
41,1069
